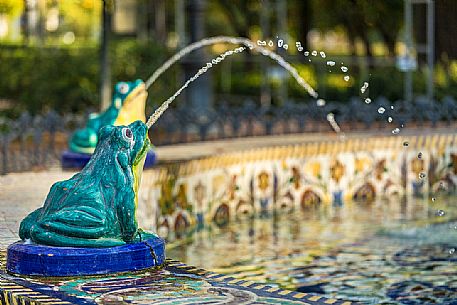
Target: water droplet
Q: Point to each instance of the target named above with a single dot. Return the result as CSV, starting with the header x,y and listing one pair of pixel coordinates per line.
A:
x,y
314,53
306,53
270,43
451,251
433,199
440,213
422,175
419,155
381,110
364,87
280,43
331,63
344,69
455,227
396,131
300,49
391,107
389,119
320,102
406,143
285,46
346,78
368,100
309,60
323,54
261,43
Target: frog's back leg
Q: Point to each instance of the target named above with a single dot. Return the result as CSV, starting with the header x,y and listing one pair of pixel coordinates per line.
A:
x,y
74,227
32,218
27,223
42,236
82,222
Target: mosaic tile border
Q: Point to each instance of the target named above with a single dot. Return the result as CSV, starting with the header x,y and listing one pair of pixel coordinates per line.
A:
x,y
225,187
311,299
20,291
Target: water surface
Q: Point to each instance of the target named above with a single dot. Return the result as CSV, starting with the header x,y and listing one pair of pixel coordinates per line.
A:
x,y
386,252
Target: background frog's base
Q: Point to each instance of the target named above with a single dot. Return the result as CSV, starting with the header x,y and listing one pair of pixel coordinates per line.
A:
x,y
73,160
41,260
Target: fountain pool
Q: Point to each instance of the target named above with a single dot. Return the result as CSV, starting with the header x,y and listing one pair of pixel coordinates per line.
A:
x,y
387,252
364,219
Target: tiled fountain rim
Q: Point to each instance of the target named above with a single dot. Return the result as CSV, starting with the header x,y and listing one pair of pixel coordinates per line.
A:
x,y
257,146
199,150
324,170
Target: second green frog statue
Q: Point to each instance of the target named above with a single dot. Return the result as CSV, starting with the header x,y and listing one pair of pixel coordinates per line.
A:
x,y
96,207
128,103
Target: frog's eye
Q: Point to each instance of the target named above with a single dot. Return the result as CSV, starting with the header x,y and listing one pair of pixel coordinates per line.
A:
x,y
127,134
123,88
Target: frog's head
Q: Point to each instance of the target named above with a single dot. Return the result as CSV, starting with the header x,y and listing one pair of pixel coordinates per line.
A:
x,y
129,144
125,91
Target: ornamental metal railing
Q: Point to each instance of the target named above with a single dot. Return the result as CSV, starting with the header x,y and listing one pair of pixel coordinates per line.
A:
x,y
33,143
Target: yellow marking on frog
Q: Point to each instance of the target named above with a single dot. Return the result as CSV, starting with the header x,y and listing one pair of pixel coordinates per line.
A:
x,y
330,301
137,167
273,289
259,287
284,292
234,281
133,107
300,295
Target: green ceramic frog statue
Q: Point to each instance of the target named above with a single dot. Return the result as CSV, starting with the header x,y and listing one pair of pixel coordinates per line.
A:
x,y
96,207
127,106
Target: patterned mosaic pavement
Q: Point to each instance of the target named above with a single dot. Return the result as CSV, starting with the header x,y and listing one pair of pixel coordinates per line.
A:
x,y
176,284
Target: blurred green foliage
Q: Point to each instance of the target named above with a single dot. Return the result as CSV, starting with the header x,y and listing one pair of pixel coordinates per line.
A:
x,y
67,78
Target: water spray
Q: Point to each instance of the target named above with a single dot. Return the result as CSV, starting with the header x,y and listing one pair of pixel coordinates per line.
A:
x,y
210,41
159,111
232,40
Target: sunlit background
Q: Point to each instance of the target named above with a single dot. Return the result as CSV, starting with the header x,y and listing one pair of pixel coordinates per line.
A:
x,y
50,50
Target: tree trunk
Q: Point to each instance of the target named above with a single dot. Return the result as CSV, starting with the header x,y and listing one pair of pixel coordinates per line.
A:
x,y
445,25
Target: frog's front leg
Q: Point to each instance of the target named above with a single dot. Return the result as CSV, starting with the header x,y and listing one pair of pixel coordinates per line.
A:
x,y
126,216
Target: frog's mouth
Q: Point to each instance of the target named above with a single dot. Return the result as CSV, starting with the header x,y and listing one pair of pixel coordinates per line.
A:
x,y
140,156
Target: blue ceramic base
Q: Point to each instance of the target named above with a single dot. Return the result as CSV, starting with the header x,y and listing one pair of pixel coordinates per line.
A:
x,y
33,259
72,160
